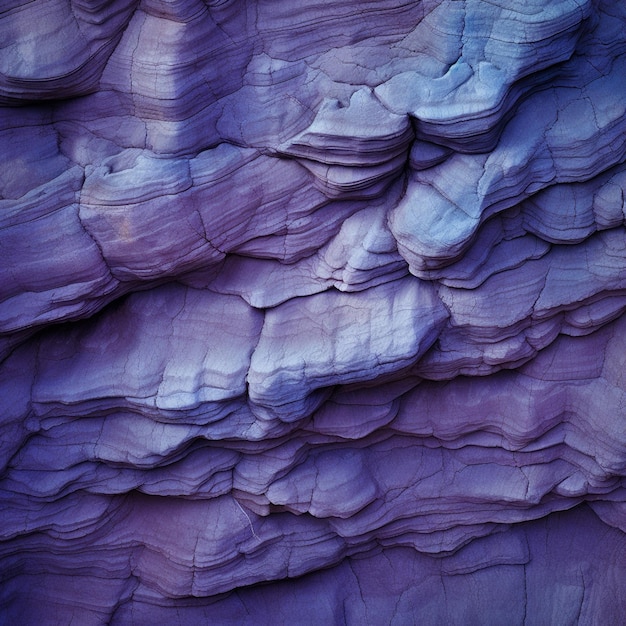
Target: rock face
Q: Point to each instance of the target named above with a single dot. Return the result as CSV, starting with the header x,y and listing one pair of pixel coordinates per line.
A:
x,y
313,313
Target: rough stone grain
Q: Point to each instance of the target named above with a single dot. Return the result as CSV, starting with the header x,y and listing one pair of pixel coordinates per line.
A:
x,y
312,313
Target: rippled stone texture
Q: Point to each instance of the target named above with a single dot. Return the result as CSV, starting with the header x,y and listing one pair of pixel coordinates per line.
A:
x,y
313,313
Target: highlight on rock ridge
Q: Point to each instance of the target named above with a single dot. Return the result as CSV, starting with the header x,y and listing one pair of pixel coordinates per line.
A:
x,y
313,313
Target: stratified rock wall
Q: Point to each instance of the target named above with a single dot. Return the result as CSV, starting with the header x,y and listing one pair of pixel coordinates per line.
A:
x,y
313,313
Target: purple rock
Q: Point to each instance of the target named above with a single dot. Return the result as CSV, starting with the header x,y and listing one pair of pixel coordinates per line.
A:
x,y
312,314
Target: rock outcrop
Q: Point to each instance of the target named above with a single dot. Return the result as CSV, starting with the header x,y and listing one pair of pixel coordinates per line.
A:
x,y
313,314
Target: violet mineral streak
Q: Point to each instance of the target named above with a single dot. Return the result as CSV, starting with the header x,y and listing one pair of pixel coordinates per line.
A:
x,y
313,312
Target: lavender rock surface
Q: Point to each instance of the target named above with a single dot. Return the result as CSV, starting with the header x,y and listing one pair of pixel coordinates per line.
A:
x,y
313,313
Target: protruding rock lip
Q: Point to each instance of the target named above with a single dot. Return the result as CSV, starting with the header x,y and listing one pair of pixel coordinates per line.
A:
x,y
333,338
354,150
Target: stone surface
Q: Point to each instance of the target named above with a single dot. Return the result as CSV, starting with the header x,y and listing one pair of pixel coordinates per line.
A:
x,y
312,314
